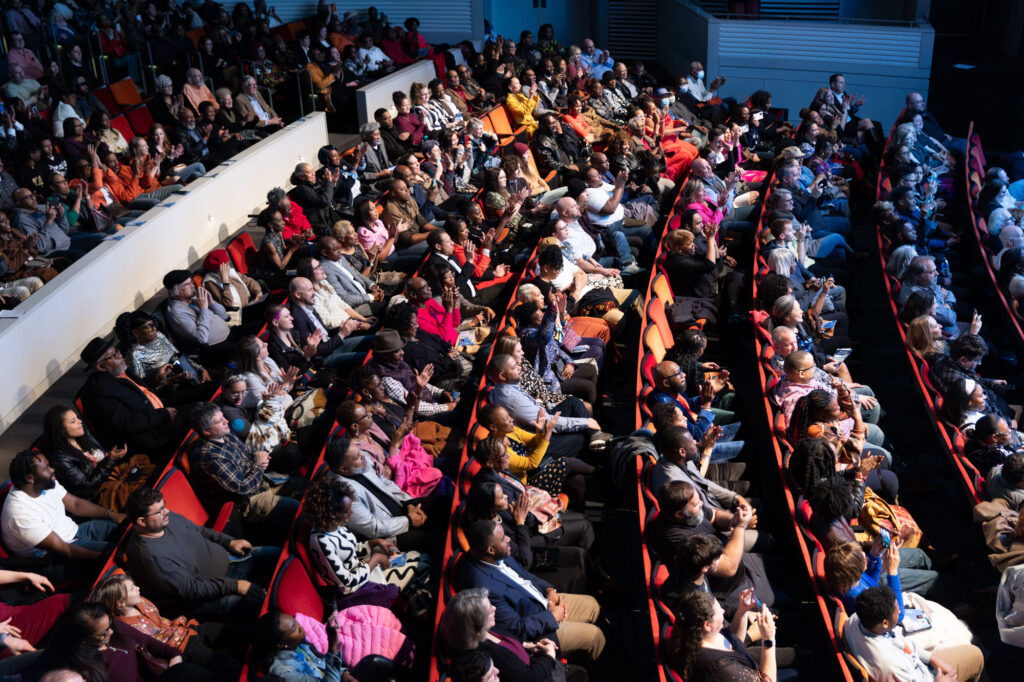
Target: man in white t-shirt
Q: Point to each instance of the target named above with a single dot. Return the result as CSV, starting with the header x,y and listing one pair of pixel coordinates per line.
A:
x,y
35,518
605,212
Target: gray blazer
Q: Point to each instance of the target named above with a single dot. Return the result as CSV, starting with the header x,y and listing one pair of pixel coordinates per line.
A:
x,y
370,518
353,290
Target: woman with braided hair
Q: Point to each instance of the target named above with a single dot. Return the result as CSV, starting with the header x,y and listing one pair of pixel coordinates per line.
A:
x,y
819,415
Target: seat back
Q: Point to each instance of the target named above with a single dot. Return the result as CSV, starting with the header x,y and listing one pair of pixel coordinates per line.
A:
x,y
661,288
181,498
656,314
293,591
242,252
299,548
125,93
653,343
106,98
121,124
140,119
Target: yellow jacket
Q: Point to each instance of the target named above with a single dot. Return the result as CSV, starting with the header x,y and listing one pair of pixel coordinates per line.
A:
x,y
521,108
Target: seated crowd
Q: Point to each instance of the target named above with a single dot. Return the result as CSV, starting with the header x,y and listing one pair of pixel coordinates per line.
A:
x,y
724,573
344,366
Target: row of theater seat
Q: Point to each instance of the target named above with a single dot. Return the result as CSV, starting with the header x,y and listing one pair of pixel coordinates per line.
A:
x,y
951,439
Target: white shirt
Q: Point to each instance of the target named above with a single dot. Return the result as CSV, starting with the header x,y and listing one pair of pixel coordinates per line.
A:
x,y
599,196
260,111
581,243
522,582
376,55
696,88
888,657
26,520
314,319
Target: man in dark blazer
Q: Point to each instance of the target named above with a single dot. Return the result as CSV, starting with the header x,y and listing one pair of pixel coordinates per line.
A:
x,y
442,250
526,607
122,411
333,350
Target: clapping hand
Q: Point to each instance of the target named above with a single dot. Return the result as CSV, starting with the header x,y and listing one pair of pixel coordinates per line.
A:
x,y
423,376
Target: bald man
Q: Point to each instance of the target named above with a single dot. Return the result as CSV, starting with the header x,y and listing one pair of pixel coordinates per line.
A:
x,y
670,387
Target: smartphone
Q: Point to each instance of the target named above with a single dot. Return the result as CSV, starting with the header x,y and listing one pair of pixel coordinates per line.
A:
x,y
758,115
886,538
841,354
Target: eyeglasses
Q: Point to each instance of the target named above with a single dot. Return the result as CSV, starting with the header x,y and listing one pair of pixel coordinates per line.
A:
x,y
110,355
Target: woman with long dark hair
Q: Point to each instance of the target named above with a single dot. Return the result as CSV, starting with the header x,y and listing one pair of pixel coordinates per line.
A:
x,y
103,649
83,467
702,649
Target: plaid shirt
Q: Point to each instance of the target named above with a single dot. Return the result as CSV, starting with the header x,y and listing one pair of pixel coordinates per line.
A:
x,y
225,469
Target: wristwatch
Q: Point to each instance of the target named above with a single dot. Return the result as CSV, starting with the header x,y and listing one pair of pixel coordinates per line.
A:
x,y
767,643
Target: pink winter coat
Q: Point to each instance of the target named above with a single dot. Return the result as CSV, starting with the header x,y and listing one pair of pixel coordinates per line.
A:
x,y
412,468
362,631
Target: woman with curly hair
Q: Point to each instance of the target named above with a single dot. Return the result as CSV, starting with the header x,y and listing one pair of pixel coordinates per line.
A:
x,y
343,561
814,459
701,649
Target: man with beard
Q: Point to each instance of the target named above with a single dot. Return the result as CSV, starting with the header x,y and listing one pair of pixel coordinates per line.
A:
x,y
36,518
682,459
121,410
682,515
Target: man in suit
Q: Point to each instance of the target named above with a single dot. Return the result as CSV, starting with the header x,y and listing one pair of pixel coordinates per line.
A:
x,y
442,250
254,111
526,607
333,349
353,288
381,509
123,411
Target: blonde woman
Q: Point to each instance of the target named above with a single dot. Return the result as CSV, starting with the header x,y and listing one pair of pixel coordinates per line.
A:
x,y
924,338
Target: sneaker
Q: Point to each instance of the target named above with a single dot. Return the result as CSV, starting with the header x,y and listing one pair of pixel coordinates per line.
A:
x,y
631,269
600,440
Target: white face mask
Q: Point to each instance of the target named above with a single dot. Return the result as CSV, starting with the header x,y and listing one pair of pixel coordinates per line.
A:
x,y
700,75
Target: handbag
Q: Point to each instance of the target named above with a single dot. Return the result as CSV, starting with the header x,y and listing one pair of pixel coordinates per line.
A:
x,y
877,514
151,666
570,338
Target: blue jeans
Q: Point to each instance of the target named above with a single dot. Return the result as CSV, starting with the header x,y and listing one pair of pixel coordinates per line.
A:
x,y
615,239
191,172
641,231
258,569
350,353
830,225
829,243
95,534
86,241
916,574
727,448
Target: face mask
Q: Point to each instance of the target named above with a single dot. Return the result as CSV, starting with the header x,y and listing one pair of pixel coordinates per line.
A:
x,y
665,101
700,75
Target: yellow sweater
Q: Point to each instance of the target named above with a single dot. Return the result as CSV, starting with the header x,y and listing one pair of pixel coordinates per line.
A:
x,y
535,445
